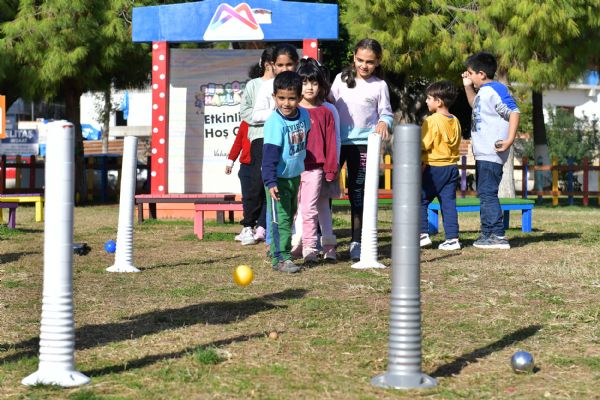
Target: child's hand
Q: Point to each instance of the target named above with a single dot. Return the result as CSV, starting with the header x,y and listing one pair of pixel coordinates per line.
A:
x,y
228,169
502,145
466,80
331,176
274,192
382,129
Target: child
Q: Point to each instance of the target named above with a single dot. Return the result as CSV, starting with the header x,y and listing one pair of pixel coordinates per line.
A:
x,y
284,58
493,130
241,144
318,181
363,102
283,162
439,153
255,194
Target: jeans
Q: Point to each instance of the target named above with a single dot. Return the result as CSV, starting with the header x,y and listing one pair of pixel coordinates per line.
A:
x,y
489,175
441,182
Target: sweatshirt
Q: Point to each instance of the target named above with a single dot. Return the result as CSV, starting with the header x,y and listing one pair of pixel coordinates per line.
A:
x,y
241,144
440,136
253,87
284,147
321,147
492,107
361,107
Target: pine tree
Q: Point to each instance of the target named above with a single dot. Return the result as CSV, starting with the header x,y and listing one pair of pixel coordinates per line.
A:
x,y
67,47
539,44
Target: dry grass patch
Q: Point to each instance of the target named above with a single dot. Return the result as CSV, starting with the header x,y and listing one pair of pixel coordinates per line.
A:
x,y
182,329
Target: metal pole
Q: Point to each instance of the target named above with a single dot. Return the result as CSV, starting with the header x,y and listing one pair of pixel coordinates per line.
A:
x,y
57,331
404,346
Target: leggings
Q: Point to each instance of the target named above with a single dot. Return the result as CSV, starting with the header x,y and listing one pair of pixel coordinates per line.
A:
x,y
355,157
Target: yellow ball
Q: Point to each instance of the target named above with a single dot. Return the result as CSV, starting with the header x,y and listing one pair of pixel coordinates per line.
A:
x,y
243,275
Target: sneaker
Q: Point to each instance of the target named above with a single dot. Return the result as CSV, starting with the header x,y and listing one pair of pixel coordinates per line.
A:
x,y
247,236
493,242
451,244
286,266
424,239
238,237
260,234
311,256
329,254
481,240
355,251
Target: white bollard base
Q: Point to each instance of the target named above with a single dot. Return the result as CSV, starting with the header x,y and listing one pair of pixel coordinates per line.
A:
x,y
122,268
366,264
60,378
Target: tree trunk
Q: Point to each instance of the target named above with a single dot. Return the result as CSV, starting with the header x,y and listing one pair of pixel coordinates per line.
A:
x,y
72,94
543,179
106,119
507,184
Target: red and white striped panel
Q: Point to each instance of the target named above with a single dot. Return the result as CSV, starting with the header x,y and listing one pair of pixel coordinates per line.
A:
x,y
160,118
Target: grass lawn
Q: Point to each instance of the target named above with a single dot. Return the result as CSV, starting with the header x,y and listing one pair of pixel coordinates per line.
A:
x,y
181,329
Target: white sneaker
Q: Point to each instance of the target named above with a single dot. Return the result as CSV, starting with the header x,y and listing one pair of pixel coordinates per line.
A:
x,y
451,244
425,240
238,237
355,251
260,234
247,236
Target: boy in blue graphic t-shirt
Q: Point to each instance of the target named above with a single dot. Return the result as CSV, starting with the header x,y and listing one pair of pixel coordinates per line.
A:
x,y
493,130
284,149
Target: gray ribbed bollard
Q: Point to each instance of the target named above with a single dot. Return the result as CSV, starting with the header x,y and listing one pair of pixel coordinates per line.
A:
x,y
57,330
124,253
404,347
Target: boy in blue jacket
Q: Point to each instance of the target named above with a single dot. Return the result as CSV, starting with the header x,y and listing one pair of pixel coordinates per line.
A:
x,y
284,149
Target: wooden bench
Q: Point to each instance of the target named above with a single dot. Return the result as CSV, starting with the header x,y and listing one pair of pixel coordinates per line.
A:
x,y
153,199
12,212
37,198
472,205
202,205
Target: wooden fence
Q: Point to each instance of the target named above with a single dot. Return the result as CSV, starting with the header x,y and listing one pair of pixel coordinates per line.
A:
x,y
570,189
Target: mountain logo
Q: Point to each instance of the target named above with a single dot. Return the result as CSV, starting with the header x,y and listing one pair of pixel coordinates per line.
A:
x,y
239,23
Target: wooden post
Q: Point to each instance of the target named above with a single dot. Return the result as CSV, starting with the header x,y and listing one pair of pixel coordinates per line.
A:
x,y
32,165
387,172
554,181
524,176
18,172
570,186
586,172
463,176
343,180
90,175
2,174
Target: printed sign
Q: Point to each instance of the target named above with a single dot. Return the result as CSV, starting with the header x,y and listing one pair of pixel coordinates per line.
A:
x,y
204,117
20,142
239,23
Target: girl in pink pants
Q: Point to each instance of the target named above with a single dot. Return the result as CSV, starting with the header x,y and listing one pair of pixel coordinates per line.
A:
x,y
318,182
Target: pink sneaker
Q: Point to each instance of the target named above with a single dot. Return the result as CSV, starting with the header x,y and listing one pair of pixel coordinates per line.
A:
x,y
260,234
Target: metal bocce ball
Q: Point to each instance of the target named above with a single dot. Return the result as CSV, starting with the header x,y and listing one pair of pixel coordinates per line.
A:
x,y
522,361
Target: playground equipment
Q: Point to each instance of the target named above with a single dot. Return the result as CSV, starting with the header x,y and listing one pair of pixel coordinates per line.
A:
x,y
124,252
404,347
368,253
57,331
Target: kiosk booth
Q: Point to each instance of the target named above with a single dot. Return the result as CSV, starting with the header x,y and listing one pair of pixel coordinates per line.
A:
x,y
196,92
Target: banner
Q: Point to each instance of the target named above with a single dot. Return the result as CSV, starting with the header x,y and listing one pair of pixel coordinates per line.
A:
x,y
206,87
